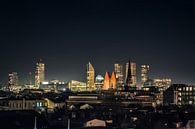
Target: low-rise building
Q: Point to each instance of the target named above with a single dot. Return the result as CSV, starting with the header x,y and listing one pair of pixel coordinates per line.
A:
x,y
54,103
77,86
27,104
162,84
180,94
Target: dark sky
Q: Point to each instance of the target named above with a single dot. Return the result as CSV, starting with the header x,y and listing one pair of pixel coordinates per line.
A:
x,y
67,34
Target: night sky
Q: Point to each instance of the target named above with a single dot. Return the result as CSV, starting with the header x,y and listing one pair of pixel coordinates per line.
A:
x,y
68,34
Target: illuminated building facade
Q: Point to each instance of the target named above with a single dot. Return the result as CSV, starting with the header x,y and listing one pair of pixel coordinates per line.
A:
x,y
54,86
90,77
99,82
133,74
162,84
180,94
39,74
118,68
144,73
57,82
106,85
53,103
126,70
25,104
77,86
113,81
13,81
109,82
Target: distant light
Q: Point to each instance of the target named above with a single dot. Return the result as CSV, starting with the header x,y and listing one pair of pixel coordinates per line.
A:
x,y
45,83
134,118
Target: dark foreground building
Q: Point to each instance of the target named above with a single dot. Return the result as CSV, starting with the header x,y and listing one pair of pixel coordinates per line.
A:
x,y
27,119
180,94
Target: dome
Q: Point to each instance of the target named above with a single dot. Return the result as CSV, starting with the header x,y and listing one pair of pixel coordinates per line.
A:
x,y
99,78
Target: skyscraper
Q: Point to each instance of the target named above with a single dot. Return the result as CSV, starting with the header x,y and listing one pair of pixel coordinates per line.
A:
x,y
13,81
128,75
133,71
39,74
134,74
144,73
90,77
118,68
113,81
106,85
126,70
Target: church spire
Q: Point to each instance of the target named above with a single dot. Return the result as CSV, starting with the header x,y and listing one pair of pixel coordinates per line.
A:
x,y
106,85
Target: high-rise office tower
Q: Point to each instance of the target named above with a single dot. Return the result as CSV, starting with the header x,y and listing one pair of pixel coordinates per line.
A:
x,y
39,74
118,68
113,81
106,85
13,81
133,71
128,75
144,73
126,70
133,74
90,77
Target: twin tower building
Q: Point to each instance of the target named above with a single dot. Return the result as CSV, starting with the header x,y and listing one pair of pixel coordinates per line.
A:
x,y
115,81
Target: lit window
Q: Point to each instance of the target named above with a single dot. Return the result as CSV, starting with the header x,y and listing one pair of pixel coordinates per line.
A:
x,y
37,104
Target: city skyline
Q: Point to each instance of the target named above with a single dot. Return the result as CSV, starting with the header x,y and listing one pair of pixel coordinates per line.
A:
x,y
24,77
97,64
40,72
68,34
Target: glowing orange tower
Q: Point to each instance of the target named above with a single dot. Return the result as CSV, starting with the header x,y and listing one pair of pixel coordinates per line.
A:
x,y
113,81
106,85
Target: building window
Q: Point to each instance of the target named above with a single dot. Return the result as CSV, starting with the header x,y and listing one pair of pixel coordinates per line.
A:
x,y
179,93
41,104
37,104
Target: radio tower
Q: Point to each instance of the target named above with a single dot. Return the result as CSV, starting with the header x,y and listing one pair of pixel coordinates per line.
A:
x,y
30,78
